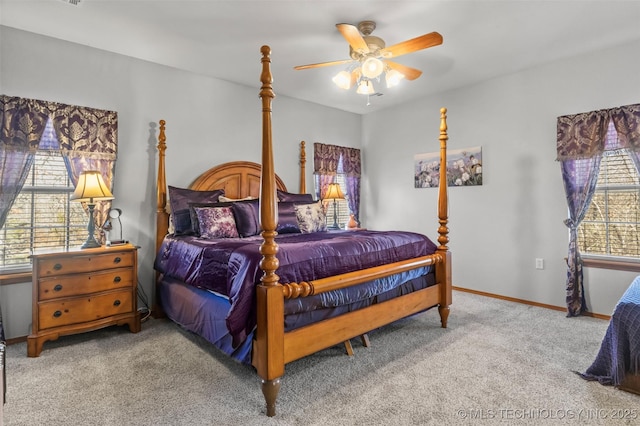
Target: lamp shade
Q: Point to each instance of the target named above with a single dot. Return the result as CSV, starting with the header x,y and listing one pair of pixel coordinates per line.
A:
x,y
343,80
91,188
365,88
393,78
334,192
372,67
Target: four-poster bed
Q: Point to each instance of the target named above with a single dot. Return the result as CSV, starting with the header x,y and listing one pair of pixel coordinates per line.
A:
x,y
306,296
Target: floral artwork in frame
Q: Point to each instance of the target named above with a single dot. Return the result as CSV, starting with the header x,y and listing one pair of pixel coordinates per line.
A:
x,y
464,168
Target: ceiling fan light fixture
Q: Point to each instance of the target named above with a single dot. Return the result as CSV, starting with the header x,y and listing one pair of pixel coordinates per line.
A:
x,y
372,67
342,80
393,78
365,87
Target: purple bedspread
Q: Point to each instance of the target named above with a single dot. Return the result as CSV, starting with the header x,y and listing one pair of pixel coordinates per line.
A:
x,y
620,350
231,266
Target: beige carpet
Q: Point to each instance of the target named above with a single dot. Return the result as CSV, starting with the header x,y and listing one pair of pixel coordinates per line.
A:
x,y
497,362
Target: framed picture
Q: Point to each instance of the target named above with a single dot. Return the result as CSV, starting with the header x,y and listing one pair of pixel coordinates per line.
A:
x,y
464,168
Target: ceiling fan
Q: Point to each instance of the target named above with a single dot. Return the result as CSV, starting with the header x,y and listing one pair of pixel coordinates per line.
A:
x,y
370,57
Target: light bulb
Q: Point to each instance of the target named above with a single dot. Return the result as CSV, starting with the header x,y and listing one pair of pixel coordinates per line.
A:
x,y
342,80
393,78
365,88
372,67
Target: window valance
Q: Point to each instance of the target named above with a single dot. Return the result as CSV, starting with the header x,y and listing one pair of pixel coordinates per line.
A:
x,y
582,136
326,158
81,131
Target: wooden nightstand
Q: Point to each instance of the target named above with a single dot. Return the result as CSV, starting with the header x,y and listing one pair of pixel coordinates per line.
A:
x,y
83,290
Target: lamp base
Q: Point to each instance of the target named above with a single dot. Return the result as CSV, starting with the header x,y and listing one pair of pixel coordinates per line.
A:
x,y
335,217
91,240
90,243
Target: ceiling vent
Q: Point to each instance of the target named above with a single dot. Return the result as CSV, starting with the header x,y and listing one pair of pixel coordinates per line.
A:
x,y
73,2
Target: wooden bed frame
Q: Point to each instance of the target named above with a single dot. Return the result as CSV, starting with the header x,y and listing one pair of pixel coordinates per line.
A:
x,y
273,348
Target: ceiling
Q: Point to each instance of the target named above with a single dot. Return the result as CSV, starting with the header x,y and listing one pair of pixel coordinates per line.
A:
x,y
483,39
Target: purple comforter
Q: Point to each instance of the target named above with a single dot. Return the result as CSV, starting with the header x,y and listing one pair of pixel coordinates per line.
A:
x,y
620,349
231,266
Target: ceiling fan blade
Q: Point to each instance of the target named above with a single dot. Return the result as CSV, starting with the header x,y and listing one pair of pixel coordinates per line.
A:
x,y
408,46
408,72
322,64
353,37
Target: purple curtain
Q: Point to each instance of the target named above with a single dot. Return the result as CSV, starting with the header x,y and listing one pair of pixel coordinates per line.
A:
x,y
14,169
580,178
88,140
581,141
326,161
626,121
351,166
22,121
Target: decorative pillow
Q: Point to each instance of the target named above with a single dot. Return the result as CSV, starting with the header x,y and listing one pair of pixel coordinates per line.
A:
x,y
296,198
216,222
195,222
287,218
311,217
179,199
227,199
247,217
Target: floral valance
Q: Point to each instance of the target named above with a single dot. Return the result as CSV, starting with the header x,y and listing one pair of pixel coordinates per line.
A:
x,y
81,131
326,158
583,135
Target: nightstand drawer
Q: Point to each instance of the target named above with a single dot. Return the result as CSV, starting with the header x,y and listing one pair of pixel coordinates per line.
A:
x,y
83,309
85,263
78,284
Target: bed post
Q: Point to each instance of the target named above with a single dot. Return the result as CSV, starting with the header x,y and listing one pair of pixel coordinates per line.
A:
x,y
443,268
303,173
268,348
162,217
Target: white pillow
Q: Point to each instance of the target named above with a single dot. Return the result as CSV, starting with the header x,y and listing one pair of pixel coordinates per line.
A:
x,y
311,217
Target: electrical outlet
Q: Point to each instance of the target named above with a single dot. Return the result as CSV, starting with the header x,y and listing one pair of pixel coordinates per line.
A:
x,y
539,263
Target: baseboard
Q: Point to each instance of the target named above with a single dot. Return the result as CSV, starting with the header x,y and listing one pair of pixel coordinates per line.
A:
x,y
15,340
529,302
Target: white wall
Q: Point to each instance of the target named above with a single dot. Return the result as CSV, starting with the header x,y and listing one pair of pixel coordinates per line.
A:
x,y
498,229
209,121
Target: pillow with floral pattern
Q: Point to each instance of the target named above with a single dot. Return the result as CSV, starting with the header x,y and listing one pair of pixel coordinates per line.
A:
x,y
311,217
216,222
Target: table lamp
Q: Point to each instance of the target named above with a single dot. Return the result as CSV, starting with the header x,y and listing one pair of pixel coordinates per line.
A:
x,y
91,188
334,193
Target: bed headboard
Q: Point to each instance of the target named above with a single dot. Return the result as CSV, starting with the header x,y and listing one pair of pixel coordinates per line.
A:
x,y
239,179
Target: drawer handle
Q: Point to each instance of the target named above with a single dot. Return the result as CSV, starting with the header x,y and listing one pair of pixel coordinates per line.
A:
x,y
116,303
117,279
57,314
117,260
57,266
58,287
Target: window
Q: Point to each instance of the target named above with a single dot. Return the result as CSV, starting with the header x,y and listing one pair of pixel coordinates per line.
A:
x,y
42,216
611,226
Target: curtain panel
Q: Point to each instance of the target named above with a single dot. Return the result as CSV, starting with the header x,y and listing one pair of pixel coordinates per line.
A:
x,y
581,141
88,139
